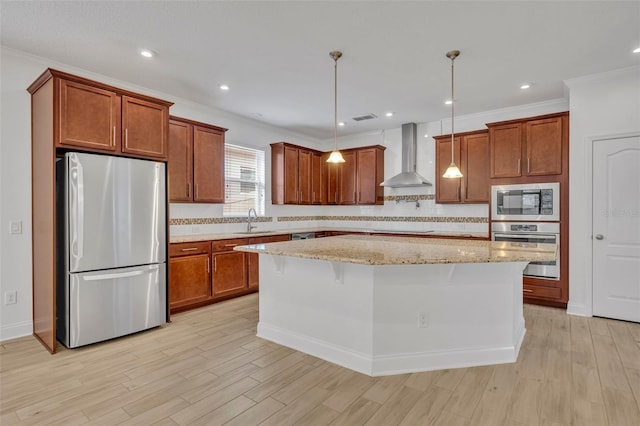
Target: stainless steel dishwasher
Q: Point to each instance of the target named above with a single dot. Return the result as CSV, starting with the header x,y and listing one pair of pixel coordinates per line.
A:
x,y
302,235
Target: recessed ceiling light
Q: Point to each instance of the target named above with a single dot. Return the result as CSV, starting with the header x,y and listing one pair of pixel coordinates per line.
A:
x,y
389,114
636,50
224,87
426,135
147,53
525,86
341,123
448,102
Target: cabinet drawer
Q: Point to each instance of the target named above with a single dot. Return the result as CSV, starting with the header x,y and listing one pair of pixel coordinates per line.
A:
x,y
186,249
228,245
538,291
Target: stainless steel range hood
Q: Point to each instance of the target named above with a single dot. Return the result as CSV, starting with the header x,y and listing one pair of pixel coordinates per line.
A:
x,y
408,176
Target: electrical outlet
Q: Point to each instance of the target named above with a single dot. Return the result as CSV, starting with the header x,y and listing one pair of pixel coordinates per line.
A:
x,y
423,319
15,227
11,297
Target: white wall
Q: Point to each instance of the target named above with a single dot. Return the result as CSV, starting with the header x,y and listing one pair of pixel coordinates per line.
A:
x,y
17,72
600,105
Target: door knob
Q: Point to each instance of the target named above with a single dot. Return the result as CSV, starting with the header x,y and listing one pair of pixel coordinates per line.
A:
x,y
599,236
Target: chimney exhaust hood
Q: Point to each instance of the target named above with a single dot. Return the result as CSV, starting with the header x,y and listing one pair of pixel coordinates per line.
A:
x,y
408,177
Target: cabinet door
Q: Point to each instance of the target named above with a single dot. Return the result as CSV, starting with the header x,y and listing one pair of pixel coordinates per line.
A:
x,y
367,176
447,189
475,161
347,178
304,176
189,280
506,150
145,126
89,117
291,179
316,179
208,165
229,273
330,181
180,161
544,146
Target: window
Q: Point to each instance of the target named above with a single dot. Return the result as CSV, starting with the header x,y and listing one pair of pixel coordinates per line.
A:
x,y
244,180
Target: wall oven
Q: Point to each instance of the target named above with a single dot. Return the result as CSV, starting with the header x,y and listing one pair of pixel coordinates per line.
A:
x,y
542,232
526,202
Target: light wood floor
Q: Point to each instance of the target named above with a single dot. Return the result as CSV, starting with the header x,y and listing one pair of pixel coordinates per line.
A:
x,y
208,368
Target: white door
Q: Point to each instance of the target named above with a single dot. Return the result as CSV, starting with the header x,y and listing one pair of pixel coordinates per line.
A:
x,y
616,228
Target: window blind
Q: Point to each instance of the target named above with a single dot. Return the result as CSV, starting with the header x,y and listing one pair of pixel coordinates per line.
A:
x,y
244,180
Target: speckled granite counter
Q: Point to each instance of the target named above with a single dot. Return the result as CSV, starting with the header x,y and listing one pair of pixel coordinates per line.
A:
x,y
385,305
259,233
383,250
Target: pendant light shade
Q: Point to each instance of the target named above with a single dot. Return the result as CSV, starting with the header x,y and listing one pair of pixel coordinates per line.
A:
x,y
335,156
452,171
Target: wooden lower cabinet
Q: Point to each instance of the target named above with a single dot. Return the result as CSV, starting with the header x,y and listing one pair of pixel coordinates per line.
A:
x,y
205,272
190,278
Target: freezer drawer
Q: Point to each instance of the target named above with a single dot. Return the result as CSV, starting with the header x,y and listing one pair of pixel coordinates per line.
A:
x,y
107,304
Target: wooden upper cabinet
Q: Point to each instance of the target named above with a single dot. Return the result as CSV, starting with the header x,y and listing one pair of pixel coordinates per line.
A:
x,y
145,126
330,180
294,172
369,175
291,176
317,175
95,117
196,162
208,165
180,164
506,150
475,162
471,154
544,146
447,190
528,147
347,173
89,117
304,176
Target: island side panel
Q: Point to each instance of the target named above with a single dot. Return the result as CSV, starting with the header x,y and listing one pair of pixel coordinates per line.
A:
x,y
304,307
430,317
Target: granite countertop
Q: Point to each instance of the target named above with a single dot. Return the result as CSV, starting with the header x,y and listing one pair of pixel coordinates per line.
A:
x,y
265,233
383,250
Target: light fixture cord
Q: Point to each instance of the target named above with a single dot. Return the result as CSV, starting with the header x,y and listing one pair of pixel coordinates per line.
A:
x,y
452,103
335,104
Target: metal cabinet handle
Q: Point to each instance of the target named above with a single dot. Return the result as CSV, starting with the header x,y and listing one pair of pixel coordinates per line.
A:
x,y
528,165
230,245
126,137
215,264
114,135
599,237
526,290
190,249
518,166
208,270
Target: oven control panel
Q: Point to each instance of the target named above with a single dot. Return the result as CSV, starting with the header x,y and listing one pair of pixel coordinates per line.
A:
x,y
525,228
546,202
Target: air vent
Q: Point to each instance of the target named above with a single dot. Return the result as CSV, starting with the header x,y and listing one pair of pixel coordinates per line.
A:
x,y
365,117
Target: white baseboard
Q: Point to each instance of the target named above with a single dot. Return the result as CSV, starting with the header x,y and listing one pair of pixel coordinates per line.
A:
x,y
395,363
15,330
578,309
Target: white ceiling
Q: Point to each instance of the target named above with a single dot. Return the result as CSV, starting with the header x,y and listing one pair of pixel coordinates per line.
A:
x,y
275,55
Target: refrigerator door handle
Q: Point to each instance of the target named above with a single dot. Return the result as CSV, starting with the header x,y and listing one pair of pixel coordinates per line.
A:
x,y
119,274
77,189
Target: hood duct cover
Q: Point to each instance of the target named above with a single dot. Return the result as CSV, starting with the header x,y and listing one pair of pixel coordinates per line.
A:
x,y
408,176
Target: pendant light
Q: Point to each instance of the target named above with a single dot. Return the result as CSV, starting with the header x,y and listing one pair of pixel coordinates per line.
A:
x,y
452,171
335,156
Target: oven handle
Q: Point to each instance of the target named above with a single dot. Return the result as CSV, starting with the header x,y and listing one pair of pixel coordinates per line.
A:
x,y
531,236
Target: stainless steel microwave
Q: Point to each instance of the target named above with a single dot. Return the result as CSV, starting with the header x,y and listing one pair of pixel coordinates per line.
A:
x,y
526,202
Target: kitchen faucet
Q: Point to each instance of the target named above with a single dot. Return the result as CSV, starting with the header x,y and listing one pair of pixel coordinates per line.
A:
x,y
255,215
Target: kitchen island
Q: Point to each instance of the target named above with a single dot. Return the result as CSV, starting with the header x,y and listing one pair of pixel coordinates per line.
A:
x,y
389,305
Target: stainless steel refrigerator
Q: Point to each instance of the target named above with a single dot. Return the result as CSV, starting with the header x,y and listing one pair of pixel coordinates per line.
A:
x,y
111,255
